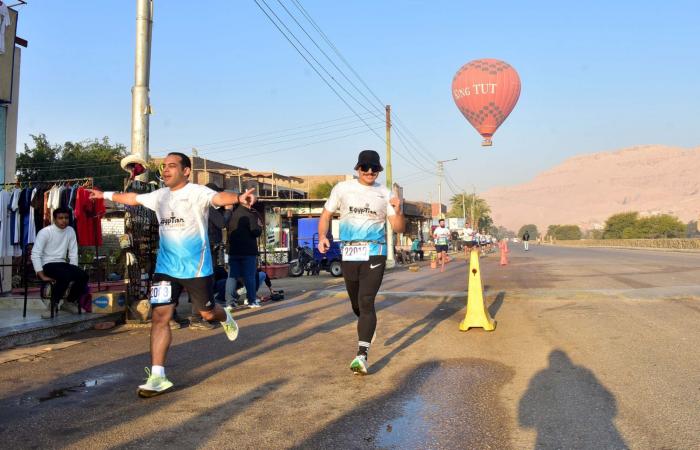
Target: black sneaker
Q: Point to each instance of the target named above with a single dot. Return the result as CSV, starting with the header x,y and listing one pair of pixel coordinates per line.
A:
x,y
197,323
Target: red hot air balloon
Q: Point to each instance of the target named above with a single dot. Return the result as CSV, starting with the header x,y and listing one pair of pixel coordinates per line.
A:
x,y
486,91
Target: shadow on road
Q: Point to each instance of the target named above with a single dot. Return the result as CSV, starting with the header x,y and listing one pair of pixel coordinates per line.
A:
x,y
446,308
496,304
197,430
569,408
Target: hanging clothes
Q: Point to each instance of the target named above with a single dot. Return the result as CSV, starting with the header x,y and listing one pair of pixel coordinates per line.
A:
x,y
31,223
5,226
88,217
38,206
15,218
25,201
47,209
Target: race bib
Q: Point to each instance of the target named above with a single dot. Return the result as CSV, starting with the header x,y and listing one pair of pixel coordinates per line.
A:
x,y
161,293
358,252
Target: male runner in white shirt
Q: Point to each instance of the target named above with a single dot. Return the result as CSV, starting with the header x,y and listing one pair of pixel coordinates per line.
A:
x,y
184,256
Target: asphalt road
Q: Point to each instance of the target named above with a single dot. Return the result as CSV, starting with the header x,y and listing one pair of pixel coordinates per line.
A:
x,y
594,348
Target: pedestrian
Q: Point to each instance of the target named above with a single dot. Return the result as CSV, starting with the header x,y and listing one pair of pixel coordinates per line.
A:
x,y
51,246
441,236
526,239
244,227
216,223
184,257
364,205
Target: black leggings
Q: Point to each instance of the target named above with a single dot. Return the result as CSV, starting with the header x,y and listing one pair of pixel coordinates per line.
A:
x,y
362,281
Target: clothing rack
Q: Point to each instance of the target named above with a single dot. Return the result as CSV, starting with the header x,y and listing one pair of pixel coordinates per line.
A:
x,y
87,182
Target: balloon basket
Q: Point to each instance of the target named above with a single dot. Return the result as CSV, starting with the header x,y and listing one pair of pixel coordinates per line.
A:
x,y
486,143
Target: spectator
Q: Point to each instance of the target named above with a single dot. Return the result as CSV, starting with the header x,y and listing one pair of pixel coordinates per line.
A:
x,y
417,248
244,227
51,246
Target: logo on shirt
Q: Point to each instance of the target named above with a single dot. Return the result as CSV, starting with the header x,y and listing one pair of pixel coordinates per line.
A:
x,y
363,210
172,222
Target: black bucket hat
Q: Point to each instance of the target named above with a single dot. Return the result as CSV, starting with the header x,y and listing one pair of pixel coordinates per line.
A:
x,y
370,158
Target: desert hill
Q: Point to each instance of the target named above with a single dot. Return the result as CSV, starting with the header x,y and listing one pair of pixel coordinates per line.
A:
x,y
585,190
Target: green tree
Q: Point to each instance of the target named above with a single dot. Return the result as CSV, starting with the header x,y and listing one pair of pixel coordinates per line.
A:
x,y
323,190
472,203
564,232
661,226
531,228
616,225
91,158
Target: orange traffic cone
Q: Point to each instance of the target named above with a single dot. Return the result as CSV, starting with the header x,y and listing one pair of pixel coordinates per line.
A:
x,y
503,246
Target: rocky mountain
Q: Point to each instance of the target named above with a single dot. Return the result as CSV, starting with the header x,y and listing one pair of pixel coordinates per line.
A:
x,y
585,190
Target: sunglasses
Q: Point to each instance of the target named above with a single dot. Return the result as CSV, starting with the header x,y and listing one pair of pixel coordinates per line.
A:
x,y
367,167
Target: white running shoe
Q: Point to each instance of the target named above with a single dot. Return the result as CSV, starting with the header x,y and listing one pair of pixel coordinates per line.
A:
x,y
230,326
359,365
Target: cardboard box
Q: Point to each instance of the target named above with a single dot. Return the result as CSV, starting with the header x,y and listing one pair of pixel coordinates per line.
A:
x,y
108,302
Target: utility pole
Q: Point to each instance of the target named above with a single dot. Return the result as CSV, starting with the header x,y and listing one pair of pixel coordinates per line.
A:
x,y
475,223
390,263
440,172
140,104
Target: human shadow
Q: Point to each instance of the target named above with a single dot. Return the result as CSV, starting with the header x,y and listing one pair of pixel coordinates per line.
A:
x,y
443,310
496,304
569,408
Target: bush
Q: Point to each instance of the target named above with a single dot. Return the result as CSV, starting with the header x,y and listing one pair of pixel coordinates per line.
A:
x,y
565,232
630,226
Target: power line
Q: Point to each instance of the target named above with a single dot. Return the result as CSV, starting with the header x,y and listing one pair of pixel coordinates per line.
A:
x,y
324,69
313,127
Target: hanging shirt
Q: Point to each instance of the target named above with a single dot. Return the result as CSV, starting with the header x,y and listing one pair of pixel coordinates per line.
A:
x,y
5,242
30,223
363,212
183,216
88,218
47,209
25,201
15,218
5,22
38,206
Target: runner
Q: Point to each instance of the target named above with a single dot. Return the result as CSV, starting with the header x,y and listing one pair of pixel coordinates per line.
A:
x,y
184,257
364,207
441,235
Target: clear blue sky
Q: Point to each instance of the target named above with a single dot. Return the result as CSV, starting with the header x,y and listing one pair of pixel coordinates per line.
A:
x,y
596,76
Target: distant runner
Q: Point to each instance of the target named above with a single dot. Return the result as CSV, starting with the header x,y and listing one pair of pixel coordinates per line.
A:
x,y
184,257
364,206
441,236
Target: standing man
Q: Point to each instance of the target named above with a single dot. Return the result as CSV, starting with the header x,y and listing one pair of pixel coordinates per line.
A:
x,y
526,240
51,246
184,257
244,228
364,206
441,236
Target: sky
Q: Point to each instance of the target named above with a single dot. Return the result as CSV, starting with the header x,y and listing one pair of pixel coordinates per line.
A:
x,y
596,76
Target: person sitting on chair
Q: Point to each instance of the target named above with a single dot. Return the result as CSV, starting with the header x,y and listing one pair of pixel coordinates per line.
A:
x,y
51,246
417,248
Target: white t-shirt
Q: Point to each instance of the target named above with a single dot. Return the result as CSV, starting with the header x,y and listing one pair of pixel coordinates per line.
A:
x,y
183,216
468,234
441,235
363,212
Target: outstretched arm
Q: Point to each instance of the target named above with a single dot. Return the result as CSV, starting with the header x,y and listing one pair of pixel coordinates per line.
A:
x,y
125,198
231,198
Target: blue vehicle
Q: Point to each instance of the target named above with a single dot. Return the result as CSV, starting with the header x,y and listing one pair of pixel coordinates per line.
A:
x,y
310,260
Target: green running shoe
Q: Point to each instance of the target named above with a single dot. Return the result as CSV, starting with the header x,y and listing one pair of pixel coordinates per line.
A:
x,y
230,326
359,365
155,385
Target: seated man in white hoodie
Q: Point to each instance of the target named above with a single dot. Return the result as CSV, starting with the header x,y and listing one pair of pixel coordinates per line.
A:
x,y
51,247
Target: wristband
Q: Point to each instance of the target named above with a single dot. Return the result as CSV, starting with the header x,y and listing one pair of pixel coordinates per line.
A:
x,y
108,195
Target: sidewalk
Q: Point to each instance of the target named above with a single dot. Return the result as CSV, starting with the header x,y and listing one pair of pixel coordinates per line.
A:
x,y
17,330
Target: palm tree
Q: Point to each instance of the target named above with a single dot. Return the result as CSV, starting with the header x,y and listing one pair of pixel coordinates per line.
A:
x,y
475,208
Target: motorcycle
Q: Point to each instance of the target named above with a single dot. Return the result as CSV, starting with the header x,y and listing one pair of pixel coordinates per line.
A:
x,y
304,263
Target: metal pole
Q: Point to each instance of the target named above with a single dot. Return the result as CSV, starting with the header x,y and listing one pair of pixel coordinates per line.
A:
x,y
390,262
140,105
440,190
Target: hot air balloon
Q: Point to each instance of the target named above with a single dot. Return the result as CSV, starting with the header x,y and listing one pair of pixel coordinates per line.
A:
x,y
486,91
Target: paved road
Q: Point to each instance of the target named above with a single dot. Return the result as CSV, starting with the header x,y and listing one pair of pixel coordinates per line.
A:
x,y
594,348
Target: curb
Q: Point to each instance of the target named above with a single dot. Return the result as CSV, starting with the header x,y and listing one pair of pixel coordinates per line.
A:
x,y
42,332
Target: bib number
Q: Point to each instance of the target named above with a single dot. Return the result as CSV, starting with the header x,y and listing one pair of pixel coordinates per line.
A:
x,y
161,293
356,252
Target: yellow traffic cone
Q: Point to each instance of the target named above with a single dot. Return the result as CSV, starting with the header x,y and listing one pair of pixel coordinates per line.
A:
x,y
477,314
